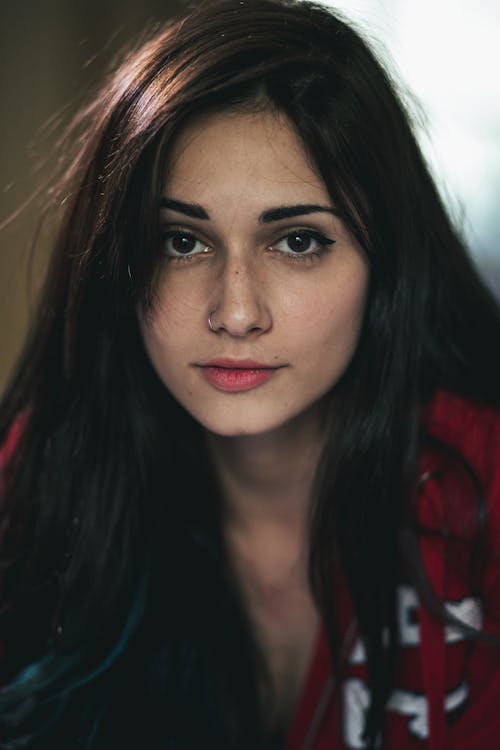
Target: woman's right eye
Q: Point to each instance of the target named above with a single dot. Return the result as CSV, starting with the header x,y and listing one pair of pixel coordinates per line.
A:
x,y
177,244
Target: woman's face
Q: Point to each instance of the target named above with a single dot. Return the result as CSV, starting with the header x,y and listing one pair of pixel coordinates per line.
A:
x,y
262,292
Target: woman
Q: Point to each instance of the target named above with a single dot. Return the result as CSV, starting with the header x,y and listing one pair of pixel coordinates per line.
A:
x,y
250,493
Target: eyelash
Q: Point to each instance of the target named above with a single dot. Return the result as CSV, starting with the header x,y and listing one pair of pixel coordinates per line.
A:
x,y
324,243
170,234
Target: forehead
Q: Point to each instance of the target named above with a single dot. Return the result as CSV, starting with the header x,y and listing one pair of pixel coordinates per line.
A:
x,y
228,154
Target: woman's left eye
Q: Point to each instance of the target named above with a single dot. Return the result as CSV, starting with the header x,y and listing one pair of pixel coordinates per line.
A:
x,y
302,242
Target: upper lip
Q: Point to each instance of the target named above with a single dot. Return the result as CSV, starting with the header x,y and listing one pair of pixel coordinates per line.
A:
x,y
237,364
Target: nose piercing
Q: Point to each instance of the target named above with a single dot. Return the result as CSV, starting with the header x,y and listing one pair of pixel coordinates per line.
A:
x,y
210,324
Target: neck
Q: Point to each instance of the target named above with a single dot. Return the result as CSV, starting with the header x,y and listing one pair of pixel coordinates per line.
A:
x,y
267,479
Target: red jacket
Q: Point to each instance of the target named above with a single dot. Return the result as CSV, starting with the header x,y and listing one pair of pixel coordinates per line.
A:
x,y
447,686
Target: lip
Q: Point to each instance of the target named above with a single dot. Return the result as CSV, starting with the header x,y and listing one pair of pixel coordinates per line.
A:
x,y
237,364
235,375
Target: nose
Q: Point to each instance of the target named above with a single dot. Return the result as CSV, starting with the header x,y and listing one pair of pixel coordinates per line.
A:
x,y
239,307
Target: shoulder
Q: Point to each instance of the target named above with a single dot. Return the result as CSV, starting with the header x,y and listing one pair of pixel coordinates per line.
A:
x,y
8,447
469,427
460,463
10,444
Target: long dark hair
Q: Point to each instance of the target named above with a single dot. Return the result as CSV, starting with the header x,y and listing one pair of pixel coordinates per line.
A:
x,y
120,619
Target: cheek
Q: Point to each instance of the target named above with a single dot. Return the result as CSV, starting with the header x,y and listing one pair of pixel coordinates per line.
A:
x,y
349,311
331,322
163,330
183,292
172,314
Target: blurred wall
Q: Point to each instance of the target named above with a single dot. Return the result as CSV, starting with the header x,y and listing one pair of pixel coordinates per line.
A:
x,y
447,56
49,51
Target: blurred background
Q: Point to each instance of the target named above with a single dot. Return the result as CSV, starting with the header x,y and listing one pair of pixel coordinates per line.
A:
x,y
444,54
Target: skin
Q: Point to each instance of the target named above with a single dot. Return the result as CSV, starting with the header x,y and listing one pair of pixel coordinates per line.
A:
x,y
299,312
302,313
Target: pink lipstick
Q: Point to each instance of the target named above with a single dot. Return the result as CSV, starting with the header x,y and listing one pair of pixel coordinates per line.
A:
x,y
233,375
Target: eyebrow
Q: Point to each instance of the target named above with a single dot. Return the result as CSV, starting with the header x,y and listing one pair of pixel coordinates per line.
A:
x,y
287,212
195,211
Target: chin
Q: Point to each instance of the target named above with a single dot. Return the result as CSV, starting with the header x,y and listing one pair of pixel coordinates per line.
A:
x,y
240,428
249,423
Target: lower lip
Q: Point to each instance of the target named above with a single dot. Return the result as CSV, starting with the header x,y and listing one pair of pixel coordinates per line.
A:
x,y
234,380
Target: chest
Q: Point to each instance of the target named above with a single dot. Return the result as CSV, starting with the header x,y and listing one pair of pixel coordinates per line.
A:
x,y
285,624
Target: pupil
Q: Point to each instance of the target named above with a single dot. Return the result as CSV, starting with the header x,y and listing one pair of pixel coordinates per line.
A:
x,y
299,243
183,243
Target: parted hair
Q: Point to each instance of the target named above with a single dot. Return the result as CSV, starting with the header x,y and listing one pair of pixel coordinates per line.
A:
x,y
121,621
